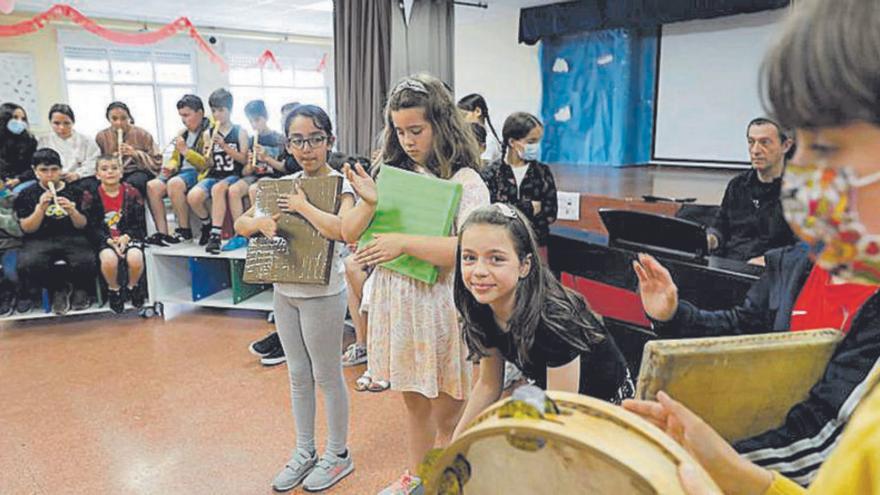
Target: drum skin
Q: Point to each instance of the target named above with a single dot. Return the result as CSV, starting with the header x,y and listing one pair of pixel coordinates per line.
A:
x,y
590,447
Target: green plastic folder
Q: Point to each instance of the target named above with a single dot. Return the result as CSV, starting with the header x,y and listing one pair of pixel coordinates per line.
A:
x,y
411,203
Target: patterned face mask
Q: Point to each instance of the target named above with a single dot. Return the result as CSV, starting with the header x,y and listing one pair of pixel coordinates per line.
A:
x,y
819,205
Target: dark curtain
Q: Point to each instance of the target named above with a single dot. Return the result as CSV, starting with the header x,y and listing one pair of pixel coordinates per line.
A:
x,y
362,41
536,23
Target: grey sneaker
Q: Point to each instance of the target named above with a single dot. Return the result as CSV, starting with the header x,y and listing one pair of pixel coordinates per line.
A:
x,y
295,471
329,470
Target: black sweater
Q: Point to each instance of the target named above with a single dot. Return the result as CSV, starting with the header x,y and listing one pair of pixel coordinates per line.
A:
x,y
797,448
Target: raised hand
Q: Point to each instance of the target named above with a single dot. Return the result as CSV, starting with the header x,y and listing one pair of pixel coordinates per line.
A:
x,y
659,293
363,184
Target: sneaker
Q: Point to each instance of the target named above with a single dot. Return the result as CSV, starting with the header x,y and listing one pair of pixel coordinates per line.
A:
x,y
7,306
236,242
24,304
206,234
355,354
116,300
273,358
7,302
182,235
295,471
405,485
512,374
265,346
137,295
160,239
80,300
61,301
328,471
213,245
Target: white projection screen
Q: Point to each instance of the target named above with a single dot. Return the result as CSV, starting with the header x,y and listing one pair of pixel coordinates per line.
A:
x,y
707,88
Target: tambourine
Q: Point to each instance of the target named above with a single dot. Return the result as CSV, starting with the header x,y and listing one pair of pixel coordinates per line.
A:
x,y
578,445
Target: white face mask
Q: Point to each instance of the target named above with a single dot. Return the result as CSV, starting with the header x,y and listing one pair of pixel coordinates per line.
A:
x,y
819,205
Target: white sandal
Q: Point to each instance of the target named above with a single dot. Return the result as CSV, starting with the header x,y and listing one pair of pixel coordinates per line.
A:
x,y
363,383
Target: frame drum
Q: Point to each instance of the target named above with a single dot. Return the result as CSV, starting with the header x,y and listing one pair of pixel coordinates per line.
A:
x,y
586,446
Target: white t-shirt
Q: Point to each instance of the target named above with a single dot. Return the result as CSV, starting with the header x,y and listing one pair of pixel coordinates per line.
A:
x,y
493,148
519,173
337,268
78,153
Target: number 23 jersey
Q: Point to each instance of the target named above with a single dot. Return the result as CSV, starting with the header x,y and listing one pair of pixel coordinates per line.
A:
x,y
222,164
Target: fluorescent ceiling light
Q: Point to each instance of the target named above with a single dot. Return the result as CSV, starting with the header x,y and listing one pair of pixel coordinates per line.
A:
x,y
322,6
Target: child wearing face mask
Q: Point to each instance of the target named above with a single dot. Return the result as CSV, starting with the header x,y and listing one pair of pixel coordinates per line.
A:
x,y
831,440
17,146
520,179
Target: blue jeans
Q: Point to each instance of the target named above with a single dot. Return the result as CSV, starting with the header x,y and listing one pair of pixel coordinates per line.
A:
x,y
189,176
208,184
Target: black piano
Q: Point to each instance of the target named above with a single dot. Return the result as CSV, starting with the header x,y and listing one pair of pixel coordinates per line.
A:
x,y
600,268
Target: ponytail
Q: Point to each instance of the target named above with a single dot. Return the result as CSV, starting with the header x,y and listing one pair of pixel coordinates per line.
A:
x,y
491,127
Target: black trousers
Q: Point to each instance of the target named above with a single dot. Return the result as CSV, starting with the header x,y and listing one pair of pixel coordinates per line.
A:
x,y
138,179
37,268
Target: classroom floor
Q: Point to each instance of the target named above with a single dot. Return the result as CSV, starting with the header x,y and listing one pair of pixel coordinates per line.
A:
x,y
97,405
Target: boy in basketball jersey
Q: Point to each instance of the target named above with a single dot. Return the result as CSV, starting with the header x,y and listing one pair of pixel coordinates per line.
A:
x,y
227,158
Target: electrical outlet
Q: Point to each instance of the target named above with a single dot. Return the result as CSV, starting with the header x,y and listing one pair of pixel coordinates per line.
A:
x,y
569,205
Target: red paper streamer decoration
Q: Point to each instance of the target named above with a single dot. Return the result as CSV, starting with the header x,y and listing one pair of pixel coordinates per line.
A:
x,y
268,56
59,11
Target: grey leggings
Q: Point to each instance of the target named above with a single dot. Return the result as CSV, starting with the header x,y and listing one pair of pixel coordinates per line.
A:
x,y
311,329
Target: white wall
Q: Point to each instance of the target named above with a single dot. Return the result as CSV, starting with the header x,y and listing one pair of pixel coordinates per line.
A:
x,y
490,61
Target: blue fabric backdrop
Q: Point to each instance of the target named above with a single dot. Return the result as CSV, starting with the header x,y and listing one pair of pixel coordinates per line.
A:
x,y
598,97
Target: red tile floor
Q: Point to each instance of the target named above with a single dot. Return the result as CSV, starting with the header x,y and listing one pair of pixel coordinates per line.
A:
x,y
112,405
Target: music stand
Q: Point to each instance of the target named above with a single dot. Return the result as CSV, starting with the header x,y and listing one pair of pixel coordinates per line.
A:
x,y
640,231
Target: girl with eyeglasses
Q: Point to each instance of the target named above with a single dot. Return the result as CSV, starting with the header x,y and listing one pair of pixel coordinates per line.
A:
x,y
309,319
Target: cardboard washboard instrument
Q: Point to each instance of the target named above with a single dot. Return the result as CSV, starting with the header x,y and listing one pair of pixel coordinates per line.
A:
x,y
586,446
411,203
741,386
298,253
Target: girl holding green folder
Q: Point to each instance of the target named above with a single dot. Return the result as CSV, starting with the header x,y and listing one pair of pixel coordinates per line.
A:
x,y
414,340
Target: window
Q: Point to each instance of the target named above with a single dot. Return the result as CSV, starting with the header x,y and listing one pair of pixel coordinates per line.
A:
x,y
299,79
149,81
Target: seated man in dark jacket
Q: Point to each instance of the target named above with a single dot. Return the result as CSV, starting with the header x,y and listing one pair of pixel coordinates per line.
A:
x,y
750,221
783,299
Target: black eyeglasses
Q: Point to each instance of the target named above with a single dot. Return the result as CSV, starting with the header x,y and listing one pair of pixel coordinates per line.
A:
x,y
314,141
